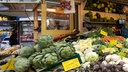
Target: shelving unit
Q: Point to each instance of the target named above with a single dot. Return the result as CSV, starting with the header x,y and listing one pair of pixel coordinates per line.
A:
x,y
90,25
26,31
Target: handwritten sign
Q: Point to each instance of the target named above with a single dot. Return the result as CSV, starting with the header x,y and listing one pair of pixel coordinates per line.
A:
x,y
103,33
71,64
113,42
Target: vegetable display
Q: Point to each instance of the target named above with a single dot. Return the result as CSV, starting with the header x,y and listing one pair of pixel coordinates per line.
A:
x,y
98,54
43,54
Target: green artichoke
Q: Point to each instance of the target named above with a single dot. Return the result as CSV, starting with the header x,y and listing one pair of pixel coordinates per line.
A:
x,y
36,62
45,41
21,64
33,56
38,48
48,50
50,59
26,51
66,52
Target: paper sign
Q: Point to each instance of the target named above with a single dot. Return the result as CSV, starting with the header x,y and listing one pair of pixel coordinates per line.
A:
x,y
72,7
103,33
71,64
113,42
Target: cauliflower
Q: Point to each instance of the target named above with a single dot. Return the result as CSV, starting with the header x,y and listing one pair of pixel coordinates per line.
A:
x,y
125,67
91,57
85,65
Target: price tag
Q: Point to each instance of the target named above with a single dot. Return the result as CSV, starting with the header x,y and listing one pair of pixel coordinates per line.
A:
x,y
103,33
71,64
113,42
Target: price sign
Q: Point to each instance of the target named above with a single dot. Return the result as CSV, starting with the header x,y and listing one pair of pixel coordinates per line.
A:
x,y
103,33
71,64
113,42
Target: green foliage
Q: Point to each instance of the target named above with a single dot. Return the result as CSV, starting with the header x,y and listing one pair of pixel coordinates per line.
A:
x,y
99,42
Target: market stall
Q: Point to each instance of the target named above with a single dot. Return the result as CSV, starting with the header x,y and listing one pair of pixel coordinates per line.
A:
x,y
100,49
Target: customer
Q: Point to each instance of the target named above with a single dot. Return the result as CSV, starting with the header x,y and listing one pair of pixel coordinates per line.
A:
x,y
13,38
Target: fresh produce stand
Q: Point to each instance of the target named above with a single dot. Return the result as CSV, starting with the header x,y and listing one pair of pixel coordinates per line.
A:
x,y
98,50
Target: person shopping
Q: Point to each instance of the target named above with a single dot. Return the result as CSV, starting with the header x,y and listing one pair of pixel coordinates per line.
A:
x,y
13,38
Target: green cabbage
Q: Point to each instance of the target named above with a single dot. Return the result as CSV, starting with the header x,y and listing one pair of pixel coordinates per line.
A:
x,y
50,59
21,64
26,51
36,62
45,41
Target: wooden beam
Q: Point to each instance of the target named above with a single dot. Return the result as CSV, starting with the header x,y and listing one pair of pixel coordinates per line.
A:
x,y
43,2
35,25
43,15
36,6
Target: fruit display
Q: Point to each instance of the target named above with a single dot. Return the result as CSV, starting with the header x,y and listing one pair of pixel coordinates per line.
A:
x,y
97,17
101,5
43,54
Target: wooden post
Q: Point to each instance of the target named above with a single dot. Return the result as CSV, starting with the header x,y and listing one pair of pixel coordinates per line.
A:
x,y
43,15
35,25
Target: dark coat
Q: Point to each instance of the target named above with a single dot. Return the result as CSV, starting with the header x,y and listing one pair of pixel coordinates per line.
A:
x,y
13,39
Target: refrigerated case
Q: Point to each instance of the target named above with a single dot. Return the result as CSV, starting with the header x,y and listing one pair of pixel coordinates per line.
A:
x,y
26,31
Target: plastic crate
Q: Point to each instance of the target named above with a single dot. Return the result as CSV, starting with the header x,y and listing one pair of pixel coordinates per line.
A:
x,y
59,63
124,32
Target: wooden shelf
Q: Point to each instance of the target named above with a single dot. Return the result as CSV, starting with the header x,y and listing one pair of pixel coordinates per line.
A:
x,y
91,25
103,23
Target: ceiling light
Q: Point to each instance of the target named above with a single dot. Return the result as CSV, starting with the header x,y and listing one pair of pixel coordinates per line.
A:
x,y
51,10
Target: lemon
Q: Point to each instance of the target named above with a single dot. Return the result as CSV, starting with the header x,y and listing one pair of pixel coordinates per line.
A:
x,y
94,4
102,5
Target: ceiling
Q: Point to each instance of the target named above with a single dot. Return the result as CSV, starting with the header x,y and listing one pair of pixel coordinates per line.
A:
x,y
23,9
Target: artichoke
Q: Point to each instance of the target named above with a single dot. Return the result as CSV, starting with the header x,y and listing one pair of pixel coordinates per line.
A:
x,y
48,50
45,41
33,56
26,51
66,52
50,59
37,48
21,64
36,62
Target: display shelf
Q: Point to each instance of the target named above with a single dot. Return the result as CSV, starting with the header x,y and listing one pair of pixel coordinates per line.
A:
x,y
101,23
91,25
